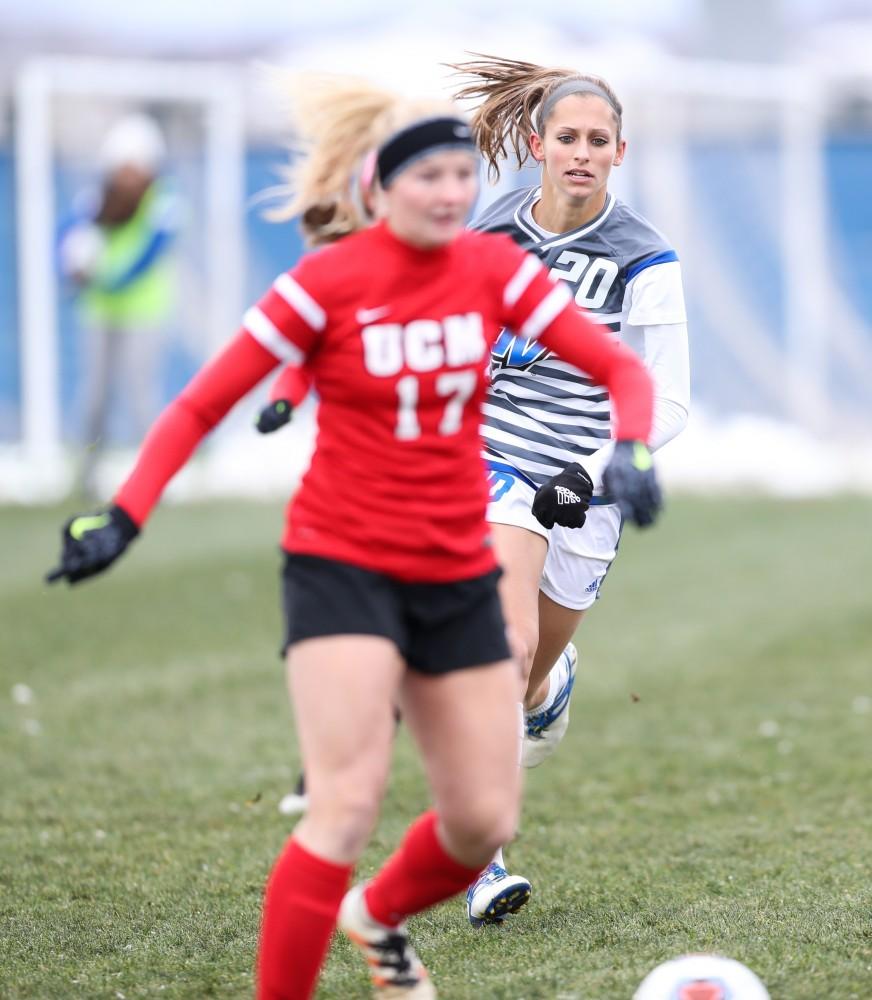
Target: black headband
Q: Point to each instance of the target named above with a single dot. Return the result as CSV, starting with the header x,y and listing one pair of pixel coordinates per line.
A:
x,y
421,139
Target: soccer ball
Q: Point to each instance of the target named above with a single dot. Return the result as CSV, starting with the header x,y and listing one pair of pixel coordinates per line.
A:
x,y
701,977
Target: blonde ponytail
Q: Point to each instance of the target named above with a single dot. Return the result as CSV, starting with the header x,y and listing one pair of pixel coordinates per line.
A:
x,y
333,120
338,121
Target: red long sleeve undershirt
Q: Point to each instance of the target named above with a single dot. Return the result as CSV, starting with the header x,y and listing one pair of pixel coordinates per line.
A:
x,y
203,403
292,385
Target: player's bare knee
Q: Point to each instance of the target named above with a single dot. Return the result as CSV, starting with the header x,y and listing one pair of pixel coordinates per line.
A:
x,y
347,818
482,828
345,834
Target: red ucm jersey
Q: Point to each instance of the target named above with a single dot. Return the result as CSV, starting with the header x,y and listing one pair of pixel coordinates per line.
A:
x,y
397,340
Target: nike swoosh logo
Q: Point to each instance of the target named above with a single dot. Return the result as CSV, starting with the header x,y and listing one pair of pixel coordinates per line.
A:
x,y
365,316
82,525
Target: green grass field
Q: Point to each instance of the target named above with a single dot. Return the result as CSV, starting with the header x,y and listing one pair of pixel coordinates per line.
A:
x,y
714,792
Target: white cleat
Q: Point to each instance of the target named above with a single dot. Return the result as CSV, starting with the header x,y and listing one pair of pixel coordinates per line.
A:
x,y
395,969
544,729
295,803
495,895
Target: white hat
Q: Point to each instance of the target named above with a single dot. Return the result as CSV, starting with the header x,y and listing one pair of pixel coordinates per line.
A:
x,y
133,141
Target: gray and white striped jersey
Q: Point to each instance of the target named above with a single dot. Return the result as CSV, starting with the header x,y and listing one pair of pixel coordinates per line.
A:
x,y
541,413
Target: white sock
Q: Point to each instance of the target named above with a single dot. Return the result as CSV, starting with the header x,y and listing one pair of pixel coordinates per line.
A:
x,y
556,679
498,857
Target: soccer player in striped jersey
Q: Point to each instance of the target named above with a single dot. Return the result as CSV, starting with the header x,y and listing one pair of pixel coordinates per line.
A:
x,y
547,421
390,578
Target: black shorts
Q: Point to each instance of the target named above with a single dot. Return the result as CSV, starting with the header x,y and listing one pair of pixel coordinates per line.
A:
x,y
437,627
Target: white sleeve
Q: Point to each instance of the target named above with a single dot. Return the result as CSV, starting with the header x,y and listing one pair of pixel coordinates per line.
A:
x,y
664,349
655,327
655,297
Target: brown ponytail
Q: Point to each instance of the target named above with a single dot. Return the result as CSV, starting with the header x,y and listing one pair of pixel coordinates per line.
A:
x,y
509,93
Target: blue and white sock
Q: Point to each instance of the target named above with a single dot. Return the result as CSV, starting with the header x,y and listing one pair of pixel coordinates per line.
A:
x,y
556,679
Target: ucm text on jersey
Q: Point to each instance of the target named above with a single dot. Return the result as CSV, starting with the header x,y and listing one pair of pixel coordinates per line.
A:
x,y
423,345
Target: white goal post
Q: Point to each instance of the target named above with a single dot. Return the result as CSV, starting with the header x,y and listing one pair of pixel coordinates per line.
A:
x,y
217,89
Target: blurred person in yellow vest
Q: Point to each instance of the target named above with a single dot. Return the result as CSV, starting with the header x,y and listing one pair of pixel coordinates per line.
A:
x,y
114,250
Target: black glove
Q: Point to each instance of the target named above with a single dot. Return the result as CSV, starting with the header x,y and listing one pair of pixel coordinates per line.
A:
x,y
274,416
630,480
92,542
564,499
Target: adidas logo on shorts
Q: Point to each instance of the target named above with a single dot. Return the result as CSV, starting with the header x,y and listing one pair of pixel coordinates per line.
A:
x,y
565,495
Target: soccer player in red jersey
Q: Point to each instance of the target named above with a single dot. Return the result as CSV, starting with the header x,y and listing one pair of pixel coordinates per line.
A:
x,y
390,579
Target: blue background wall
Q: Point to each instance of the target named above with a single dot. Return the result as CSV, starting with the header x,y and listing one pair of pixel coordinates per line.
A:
x,y
733,189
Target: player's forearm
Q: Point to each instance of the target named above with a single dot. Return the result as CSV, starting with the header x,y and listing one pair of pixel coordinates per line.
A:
x,y
670,419
632,396
185,422
664,348
665,351
167,447
292,384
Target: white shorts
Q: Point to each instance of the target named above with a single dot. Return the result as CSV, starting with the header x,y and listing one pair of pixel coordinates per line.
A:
x,y
578,558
